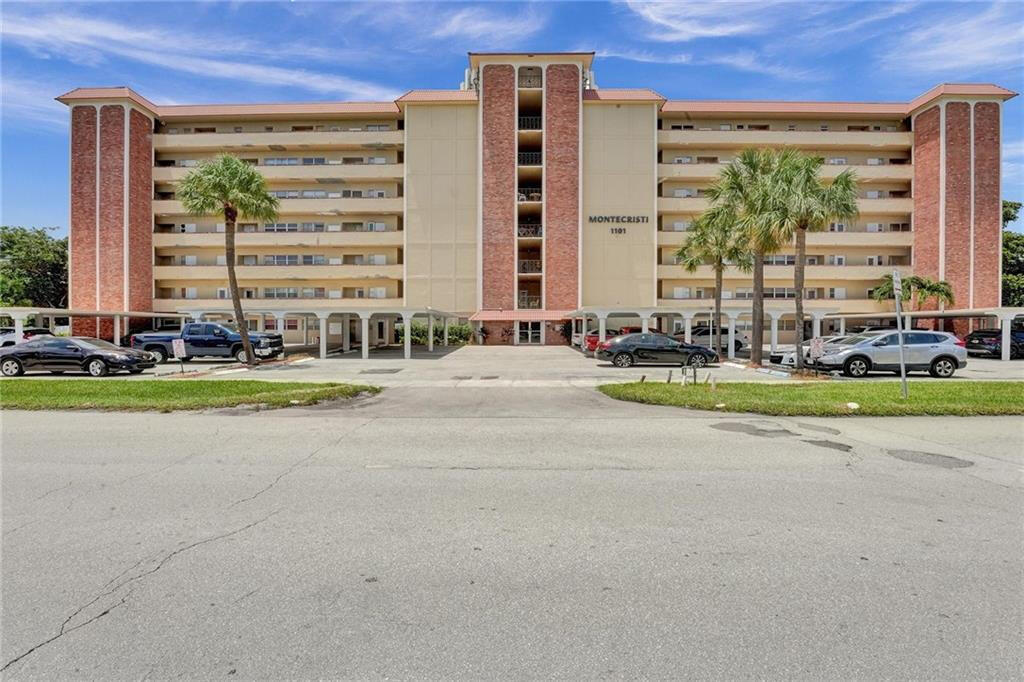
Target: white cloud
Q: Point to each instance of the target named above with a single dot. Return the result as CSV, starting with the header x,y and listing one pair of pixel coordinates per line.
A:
x,y
959,43
684,21
483,25
92,41
30,103
754,63
645,57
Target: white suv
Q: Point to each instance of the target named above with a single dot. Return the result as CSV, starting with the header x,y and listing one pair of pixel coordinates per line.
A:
x,y
938,353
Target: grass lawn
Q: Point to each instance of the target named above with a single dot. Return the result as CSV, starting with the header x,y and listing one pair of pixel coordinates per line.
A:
x,y
165,394
828,399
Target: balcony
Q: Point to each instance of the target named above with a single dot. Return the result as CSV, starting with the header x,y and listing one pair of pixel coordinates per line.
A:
x,y
710,171
890,206
530,194
529,303
296,273
531,81
530,231
683,205
312,239
844,239
530,267
314,207
270,305
304,140
809,139
323,172
784,273
529,159
530,122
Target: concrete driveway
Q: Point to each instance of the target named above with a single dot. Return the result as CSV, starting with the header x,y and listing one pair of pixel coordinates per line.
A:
x,y
509,532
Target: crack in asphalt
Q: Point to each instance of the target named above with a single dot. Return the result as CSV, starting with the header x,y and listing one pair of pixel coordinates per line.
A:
x,y
55,490
298,464
64,629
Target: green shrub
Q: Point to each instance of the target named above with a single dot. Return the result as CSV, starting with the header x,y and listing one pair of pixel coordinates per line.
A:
x,y
458,334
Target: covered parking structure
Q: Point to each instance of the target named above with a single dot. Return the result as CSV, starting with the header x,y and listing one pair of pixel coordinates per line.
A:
x,y
345,316
732,310
45,317
1004,317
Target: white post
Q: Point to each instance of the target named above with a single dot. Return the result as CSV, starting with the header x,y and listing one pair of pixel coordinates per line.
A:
x,y
323,336
364,335
1004,345
732,337
430,333
775,332
117,330
816,326
262,326
407,334
279,326
842,326
346,333
688,328
583,333
19,327
602,330
447,323
645,325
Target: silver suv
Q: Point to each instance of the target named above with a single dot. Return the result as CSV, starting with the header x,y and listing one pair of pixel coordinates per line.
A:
x,y
939,353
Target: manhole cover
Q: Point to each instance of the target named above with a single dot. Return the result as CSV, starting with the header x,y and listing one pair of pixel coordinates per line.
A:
x,y
381,371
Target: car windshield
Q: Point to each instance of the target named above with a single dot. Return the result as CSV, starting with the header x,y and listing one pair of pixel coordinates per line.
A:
x,y
853,340
96,343
230,327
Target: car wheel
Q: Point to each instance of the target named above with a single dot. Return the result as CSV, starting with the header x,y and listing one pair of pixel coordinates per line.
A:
x,y
11,367
240,355
698,360
97,368
160,353
622,360
738,345
856,367
942,368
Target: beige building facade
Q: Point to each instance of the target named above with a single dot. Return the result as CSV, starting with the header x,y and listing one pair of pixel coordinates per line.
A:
x,y
526,198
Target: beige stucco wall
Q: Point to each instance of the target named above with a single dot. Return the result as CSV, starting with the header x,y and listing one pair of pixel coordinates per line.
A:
x,y
619,163
441,206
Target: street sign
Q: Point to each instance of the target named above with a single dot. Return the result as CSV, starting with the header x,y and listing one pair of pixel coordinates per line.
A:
x,y
897,285
178,348
817,348
897,294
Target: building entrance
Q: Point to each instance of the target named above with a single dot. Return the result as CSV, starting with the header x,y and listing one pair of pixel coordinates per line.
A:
x,y
529,333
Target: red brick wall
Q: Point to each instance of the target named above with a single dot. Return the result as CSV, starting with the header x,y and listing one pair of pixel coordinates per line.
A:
x,y
561,186
140,214
111,226
498,99
987,206
958,201
926,193
82,234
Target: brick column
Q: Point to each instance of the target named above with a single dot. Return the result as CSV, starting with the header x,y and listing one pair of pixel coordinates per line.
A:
x,y
111,226
498,200
562,101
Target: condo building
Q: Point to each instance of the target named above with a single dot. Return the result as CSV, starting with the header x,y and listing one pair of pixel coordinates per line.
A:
x,y
526,198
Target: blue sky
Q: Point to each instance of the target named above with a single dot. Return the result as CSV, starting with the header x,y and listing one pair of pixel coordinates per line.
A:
x,y
315,51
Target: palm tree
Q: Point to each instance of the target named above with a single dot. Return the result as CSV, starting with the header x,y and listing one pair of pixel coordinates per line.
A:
x,y
233,188
917,287
716,239
798,203
743,187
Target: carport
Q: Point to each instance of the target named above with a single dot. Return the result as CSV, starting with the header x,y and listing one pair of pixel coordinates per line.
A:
x,y
1004,316
22,313
405,314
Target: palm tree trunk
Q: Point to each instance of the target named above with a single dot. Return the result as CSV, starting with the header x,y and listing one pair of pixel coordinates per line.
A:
x,y
230,214
718,308
798,284
757,331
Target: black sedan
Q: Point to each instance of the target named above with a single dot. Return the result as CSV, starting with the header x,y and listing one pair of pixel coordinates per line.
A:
x,y
57,354
634,349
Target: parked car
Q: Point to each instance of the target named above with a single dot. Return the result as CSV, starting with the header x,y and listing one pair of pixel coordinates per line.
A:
x,y
7,335
634,349
591,340
702,336
788,358
938,353
990,342
208,339
59,354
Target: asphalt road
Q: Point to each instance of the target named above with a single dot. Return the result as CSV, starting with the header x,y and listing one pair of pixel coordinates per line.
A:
x,y
506,532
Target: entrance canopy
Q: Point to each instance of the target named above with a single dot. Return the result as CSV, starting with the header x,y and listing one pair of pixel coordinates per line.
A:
x,y
520,315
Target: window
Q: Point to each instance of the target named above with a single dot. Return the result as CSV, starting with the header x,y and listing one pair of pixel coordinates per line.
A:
x,y
378,292
281,292
859,129
351,160
683,159
302,129
680,292
725,126
193,330
238,129
314,194
707,159
684,192
189,260
313,292
899,227
757,126
313,161
281,227
780,259
315,259
811,260
281,161
744,292
312,227
352,193
874,194
876,260
838,293
377,160
874,227
837,161
206,130
281,260
824,127
837,227
270,324
874,162
190,292
291,325
268,129
790,126
837,260
378,126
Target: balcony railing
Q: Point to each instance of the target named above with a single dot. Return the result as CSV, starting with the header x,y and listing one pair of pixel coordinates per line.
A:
x,y
530,267
530,194
530,231
529,158
530,81
529,302
529,122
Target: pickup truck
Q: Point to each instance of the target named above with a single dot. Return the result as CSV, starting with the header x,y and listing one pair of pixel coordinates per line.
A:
x,y
208,339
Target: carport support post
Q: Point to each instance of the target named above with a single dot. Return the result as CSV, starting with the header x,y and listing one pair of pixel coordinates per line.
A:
x,y
19,326
602,328
279,326
775,330
688,328
645,325
842,326
446,324
407,335
364,335
117,330
323,335
1005,323
346,334
816,326
430,333
732,337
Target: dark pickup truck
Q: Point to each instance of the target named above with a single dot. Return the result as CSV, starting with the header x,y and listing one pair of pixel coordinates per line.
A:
x,y
207,339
